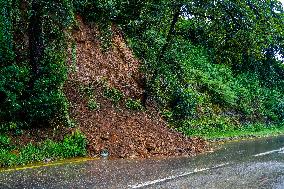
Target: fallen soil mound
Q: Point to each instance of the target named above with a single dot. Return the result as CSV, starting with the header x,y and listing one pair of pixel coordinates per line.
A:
x,y
124,133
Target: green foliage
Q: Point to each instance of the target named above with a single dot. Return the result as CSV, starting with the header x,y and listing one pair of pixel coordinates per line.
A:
x,y
186,79
184,104
33,53
279,110
132,104
6,37
5,142
109,10
13,81
72,146
258,102
236,32
113,94
248,130
48,101
87,90
13,77
206,126
186,82
220,59
93,105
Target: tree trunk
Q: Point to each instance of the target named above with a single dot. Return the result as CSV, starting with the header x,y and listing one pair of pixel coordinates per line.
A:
x,y
171,30
36,46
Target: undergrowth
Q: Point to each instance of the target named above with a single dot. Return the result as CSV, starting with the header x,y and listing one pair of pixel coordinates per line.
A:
x,y
202,86
133,104
73,145
200,98
113,94
250,130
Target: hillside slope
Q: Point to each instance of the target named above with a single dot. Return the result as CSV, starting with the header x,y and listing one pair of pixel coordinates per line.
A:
x,y
125,133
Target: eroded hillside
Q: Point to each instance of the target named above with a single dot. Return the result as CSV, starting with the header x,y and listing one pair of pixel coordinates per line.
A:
x,y
110,125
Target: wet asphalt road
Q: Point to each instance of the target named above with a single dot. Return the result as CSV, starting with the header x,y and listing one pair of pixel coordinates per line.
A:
x,y
246,164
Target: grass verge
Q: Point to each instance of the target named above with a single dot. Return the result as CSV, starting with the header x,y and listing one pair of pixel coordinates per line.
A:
x,y
73,145
252,131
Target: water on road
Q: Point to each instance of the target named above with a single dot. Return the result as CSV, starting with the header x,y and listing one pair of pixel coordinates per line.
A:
x,y
246,164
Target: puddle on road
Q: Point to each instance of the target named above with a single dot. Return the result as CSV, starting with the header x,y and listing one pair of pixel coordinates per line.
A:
x,y
257,146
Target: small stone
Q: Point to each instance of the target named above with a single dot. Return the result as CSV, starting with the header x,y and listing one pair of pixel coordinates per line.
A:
x,y
47,160
104,153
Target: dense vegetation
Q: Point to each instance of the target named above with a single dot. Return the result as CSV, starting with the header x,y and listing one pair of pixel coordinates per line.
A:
x,y
33,53
32,58
11,155
212,66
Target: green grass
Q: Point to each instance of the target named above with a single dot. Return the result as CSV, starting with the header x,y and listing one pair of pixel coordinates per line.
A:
x,y
247,132
73,145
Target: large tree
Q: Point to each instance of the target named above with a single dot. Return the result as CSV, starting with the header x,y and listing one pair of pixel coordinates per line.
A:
x,y
239,33
33,53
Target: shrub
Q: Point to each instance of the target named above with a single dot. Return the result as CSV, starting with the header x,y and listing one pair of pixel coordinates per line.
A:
x,y
186,78
133,104
113,94
87,90
279,111
73,145
5,142
184,104
32,68
206,126
189,86
93,105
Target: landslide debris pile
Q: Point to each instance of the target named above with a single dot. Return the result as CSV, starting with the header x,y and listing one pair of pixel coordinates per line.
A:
x,y
110,125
